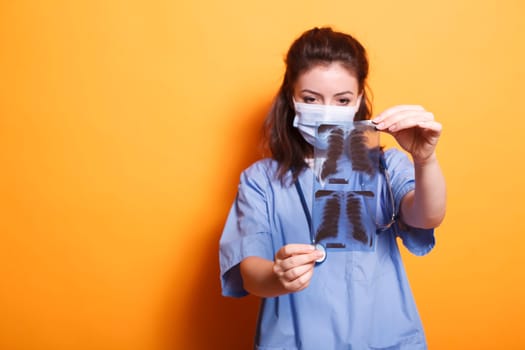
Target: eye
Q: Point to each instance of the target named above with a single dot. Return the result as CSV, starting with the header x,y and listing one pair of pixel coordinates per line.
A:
x,y
343,101
309,99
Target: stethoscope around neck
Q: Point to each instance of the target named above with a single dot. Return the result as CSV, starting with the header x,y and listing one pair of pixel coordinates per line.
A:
x,y
380,227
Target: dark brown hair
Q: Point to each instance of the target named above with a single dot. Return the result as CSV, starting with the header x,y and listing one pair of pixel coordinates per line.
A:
x,y
317,46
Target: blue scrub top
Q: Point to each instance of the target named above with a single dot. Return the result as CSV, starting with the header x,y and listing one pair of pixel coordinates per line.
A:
x,y
355,300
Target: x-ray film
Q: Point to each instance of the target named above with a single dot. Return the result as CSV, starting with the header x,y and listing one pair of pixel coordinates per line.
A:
x,y
346,185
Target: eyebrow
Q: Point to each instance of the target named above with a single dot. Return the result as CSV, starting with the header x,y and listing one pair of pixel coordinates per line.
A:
x,y
318,94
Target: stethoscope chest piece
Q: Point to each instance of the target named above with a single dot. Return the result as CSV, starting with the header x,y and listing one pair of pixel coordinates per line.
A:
x,y
322,249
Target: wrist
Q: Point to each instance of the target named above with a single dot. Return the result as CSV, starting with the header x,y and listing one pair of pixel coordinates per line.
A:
x,y
424,162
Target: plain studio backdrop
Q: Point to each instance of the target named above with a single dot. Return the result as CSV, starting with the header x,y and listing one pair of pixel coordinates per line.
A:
x,y
124,126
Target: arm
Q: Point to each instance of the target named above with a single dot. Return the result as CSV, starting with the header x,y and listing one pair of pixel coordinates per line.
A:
x,y
425,206
418,133
291,271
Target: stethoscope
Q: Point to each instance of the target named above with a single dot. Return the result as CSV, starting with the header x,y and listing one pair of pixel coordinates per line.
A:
x,y
380,227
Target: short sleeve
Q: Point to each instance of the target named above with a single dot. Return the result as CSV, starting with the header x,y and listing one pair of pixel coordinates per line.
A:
x,y
418,241
246,232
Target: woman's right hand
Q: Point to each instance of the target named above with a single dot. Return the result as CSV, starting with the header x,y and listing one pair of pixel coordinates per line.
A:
x,y
294,266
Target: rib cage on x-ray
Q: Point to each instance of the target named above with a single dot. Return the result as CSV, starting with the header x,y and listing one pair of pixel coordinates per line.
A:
x,y
346,185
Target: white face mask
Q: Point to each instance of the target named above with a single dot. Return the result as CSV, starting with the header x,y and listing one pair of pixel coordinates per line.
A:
x,y
308,116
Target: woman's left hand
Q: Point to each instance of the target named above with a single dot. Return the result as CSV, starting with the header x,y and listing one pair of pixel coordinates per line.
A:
x,y
414,129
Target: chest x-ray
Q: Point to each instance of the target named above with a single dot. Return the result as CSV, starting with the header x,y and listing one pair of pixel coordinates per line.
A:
x,y
346,185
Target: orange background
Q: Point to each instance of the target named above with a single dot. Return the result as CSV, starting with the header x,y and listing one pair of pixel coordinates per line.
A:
x,y
124,126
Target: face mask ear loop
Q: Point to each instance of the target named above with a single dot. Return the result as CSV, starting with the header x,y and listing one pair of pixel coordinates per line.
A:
x,y
358,102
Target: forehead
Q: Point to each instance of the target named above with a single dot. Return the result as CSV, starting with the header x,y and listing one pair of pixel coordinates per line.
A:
x,y
327,78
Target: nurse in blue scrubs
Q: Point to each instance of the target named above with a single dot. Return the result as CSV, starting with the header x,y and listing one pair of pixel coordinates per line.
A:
x,y
353,299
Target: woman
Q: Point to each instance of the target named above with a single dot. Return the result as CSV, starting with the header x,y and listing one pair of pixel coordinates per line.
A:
x,y
354,299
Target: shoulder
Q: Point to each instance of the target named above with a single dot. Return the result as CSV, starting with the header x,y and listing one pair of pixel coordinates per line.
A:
x,y
262,167
401,171
263,170
398,161
395,157
259,175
